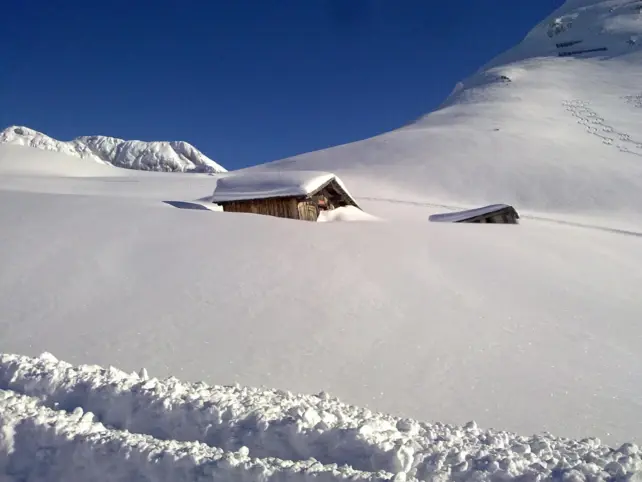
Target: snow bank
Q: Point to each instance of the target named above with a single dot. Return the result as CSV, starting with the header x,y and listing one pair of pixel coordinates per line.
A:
x,y
412,305
271,423
38,444
345,213
61,422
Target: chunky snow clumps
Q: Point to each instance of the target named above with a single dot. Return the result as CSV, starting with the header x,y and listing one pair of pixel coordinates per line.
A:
x,y
60,422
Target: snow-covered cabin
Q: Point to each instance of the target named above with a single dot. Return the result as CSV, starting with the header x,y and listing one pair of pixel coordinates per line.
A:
x,y
495,214
286,194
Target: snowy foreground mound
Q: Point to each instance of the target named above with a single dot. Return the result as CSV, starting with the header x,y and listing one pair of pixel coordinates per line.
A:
x,y
147,156
61,422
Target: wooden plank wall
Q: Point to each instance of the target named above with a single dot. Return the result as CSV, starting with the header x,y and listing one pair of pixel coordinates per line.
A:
x,y
501,217
308,210
279,207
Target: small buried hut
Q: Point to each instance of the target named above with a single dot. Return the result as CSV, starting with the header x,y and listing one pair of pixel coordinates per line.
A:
x,y
285,194
493,214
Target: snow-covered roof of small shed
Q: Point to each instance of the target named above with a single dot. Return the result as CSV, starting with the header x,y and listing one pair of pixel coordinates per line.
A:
x,y
459,216
245,186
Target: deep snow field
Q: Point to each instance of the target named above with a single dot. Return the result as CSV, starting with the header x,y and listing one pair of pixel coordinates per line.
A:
x,y
418,328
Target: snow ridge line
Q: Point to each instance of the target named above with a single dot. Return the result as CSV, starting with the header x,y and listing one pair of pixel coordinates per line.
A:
x,y
38,443
272,424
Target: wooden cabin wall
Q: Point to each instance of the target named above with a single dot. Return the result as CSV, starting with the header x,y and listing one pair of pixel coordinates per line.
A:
x,y
308,210
279,207
500,217
503,218
290,208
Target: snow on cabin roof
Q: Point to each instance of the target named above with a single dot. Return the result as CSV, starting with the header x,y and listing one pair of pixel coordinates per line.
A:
x,y
470,213
272,184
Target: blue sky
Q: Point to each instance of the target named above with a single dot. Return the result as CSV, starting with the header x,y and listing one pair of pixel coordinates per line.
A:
x,y
245,81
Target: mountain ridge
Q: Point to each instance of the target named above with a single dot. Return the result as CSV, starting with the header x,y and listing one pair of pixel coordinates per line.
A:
x,y
173,156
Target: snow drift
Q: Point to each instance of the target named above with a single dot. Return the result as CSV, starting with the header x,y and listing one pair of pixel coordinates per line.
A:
x,y
62,422
426,320
345,214
147,156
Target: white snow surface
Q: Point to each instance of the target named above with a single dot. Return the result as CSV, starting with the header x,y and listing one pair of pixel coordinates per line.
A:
x,y
345,213
148,156
61,422
244,185
426,320
525,329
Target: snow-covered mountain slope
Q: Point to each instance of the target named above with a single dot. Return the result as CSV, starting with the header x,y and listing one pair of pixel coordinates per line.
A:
x,y
547,133
148,156
526,328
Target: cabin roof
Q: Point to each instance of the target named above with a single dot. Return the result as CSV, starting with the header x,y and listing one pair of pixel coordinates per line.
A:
x,y
253,185
459,216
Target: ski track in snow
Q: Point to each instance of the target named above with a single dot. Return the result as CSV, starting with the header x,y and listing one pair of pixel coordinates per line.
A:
x,y
61,422
596,125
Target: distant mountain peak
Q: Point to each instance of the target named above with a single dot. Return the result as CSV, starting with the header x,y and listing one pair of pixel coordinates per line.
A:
x,y
175,156
582,29
551,125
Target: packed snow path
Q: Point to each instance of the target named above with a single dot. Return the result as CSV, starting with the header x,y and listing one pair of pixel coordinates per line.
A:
x,y
60,422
